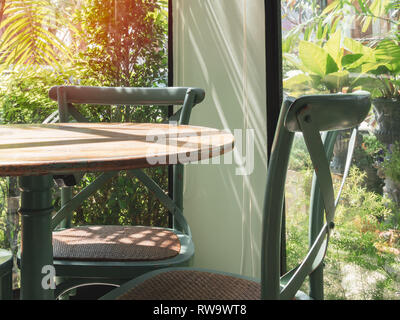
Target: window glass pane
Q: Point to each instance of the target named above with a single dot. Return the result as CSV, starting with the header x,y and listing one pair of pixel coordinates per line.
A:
x,y
44,43
335,47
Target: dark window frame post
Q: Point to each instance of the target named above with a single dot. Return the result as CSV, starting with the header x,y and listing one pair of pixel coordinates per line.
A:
x,y
274,90
170,48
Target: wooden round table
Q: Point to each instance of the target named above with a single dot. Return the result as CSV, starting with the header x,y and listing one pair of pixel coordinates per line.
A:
x,y
35,153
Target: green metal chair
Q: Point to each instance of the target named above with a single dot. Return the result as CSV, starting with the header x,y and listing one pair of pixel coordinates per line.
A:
x,y
309,115
6,264
80,262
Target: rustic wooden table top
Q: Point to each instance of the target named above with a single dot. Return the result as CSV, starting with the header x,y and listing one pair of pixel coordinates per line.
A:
x,y
37,149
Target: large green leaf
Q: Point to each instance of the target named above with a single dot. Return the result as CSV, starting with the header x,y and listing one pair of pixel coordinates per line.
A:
x,y
294,61
355,46
331,7
388,51
376,9
370,67
333,47
298,82
316,59
352,61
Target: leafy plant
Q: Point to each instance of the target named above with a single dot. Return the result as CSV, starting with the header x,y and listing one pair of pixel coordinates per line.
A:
x,y
361,218
380,69
308,21
30,34
324,67
124,42
24,93
299,156
368,11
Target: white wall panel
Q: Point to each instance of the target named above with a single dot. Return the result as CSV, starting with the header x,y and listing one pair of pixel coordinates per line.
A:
x,y
219,46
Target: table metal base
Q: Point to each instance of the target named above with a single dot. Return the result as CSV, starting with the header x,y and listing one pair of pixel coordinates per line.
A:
x,y
36,237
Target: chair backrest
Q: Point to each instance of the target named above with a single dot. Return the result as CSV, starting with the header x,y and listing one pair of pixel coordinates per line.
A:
x,y
66,96
309,115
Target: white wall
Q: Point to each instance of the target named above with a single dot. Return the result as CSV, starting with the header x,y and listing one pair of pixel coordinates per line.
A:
x,y
219,46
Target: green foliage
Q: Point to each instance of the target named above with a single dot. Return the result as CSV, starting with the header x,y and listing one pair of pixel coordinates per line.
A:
x,y
29,35
299,156
371,144
124,201
377,66
375,69
356,201
366,11
323,67
368,153
309,22
124,42
380,68
391,164
24,94
360,219
367,157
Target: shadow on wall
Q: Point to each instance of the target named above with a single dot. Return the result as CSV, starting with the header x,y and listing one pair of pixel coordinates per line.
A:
x,y
219,46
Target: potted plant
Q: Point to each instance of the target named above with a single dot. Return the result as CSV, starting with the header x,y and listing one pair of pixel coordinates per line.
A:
x,y
318,67
379,73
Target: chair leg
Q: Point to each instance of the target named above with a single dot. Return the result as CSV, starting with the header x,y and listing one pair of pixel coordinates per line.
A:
x,y
67,287
317,283
317,221
316,278
6,287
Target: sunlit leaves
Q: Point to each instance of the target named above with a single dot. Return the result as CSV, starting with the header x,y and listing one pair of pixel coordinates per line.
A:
x,y
124,41
30,35
333,47
374,11
316,59
298,82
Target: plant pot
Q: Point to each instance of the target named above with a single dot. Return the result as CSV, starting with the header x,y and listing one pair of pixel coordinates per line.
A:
x,y
387,115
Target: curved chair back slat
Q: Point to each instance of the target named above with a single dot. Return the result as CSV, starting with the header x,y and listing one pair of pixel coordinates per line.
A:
x,y
125,95
330,111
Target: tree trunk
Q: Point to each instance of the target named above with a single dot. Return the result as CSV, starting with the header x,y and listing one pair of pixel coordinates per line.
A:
x,y
2,5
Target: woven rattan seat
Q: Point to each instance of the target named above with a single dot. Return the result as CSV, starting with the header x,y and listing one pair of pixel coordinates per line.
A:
x,y
194,285
115,243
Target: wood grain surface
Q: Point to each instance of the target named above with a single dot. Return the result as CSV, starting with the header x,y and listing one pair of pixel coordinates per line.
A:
x,y
71,147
